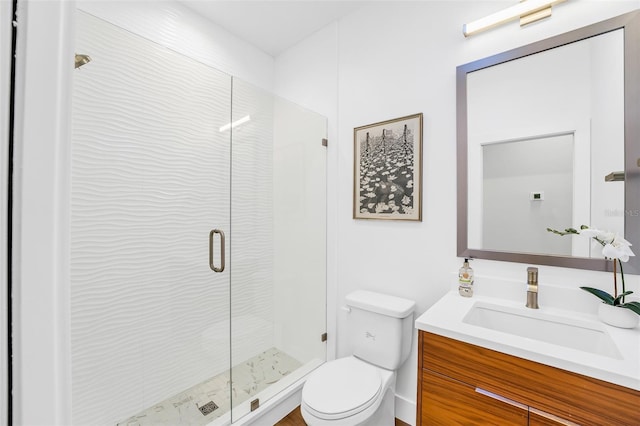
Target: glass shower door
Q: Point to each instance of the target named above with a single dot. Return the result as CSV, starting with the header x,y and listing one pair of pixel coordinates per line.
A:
x,y
197,245
150,319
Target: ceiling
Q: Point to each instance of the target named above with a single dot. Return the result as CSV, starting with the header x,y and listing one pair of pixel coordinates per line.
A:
x,y
272,25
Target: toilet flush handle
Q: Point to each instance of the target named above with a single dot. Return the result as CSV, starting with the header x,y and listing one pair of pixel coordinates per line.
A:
x,y
346,309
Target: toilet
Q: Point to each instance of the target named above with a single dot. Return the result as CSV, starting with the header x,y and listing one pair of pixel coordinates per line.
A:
x,y
360,389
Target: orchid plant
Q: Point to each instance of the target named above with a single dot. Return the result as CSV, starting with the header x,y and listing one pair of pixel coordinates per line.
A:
x,y
616,248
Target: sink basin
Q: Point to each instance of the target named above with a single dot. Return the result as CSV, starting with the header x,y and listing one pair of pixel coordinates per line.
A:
x,y
537,325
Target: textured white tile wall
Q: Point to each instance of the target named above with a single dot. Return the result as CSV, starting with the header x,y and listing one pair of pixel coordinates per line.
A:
x,y
150,179
169,23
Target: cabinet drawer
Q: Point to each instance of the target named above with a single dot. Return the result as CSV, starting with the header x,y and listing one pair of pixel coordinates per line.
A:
x,y
568,395
448,402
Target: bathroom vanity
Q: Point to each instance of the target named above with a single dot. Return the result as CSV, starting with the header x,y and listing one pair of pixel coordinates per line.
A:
x,y
488,359
459,383
473,370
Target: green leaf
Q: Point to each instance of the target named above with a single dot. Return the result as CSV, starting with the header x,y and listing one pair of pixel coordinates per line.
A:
x,y
634,306
617,300
603,295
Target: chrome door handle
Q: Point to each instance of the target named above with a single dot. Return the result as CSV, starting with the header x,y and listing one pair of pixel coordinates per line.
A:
x,y
222,255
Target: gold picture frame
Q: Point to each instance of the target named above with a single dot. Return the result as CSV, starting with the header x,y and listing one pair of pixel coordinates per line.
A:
x,y
387,173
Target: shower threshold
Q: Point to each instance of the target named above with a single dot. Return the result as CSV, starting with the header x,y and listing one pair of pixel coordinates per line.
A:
x,y
213,398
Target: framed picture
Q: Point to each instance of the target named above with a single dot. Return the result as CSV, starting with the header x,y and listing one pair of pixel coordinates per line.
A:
x,y
388,169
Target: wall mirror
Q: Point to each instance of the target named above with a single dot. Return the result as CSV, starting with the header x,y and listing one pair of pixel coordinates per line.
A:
x,y
548,137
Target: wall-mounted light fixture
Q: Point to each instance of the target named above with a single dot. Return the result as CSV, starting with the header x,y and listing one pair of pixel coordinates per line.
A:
x,y
527,10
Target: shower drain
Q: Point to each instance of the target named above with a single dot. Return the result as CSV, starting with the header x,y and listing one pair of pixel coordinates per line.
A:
x,y
208,408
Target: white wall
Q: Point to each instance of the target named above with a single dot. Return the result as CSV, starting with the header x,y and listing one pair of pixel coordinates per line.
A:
x,y
395,59
40,291
5,88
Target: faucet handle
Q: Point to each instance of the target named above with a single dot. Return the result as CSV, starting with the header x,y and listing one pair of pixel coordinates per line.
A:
x,y
532,288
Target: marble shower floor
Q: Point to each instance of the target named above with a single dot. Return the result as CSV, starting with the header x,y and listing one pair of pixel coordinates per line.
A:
x,y
249,378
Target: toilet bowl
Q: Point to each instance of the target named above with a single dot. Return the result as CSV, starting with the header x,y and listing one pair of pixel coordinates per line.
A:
x,y
359,389
349,392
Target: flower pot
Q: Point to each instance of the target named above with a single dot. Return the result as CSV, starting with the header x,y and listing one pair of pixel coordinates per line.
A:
x,y
617,316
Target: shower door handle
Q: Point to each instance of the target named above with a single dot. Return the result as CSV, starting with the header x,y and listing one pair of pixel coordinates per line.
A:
x,y
213,267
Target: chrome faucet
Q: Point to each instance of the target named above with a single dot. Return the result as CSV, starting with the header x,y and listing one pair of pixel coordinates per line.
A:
x,y
532,288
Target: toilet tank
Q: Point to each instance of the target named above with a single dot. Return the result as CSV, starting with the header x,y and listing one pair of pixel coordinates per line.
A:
x,y
380,327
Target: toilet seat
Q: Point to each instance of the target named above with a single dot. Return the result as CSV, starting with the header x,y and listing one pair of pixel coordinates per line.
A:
x,y
342,388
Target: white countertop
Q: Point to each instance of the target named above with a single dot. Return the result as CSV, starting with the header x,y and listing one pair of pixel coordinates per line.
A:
x,y
446,316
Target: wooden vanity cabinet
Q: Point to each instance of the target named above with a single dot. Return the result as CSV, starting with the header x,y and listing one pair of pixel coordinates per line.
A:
x,y
464,384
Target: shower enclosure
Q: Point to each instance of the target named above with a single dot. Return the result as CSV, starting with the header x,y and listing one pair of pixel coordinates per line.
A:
x,y
197,239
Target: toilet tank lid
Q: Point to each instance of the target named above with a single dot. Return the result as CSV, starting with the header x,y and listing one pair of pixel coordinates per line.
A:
x,y
384,304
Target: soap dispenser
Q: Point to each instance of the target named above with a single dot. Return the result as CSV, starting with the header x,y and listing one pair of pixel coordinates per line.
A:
x,y
465,280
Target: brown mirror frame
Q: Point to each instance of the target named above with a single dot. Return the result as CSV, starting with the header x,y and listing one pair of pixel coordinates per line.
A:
x,y
630,23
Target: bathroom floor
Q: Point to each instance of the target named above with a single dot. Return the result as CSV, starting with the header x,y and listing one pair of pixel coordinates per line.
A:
x,y
294,418
210,399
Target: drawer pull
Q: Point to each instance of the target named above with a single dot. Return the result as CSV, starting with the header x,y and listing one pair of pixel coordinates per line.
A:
x,y
502,399
549,416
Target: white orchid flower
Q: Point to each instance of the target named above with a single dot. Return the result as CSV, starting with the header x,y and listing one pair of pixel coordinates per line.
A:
x,y
618,248
603,237
614,247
